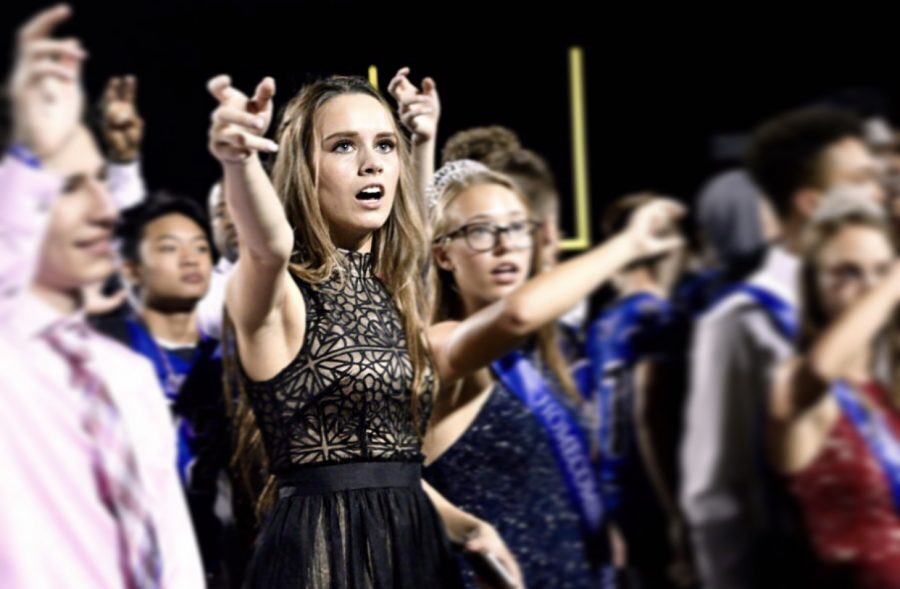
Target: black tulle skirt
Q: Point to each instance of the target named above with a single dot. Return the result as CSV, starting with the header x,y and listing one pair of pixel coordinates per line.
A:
x,y
360,525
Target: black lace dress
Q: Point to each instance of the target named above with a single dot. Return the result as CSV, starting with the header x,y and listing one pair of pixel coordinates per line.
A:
x,y
343,443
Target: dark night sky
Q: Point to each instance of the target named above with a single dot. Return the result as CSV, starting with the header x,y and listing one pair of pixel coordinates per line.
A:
x,y
658,85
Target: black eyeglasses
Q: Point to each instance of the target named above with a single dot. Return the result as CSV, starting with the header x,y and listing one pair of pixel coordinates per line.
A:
x,y
483,236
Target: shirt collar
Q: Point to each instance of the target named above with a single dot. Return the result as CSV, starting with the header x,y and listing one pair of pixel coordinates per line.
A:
x,y
33,317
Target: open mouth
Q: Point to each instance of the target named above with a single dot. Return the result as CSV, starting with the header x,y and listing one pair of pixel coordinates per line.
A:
x,y
506,269
371,193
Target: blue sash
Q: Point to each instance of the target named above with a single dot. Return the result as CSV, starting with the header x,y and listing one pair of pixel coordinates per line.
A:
x,y
566,437
782,313
876,432
610,359
144,344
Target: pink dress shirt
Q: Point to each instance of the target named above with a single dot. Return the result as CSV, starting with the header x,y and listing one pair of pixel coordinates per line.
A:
x,y
54,528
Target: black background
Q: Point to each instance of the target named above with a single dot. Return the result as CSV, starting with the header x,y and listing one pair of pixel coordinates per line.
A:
x,y
660,84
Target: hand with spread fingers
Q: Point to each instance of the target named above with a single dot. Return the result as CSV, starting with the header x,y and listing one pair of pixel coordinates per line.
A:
x,y
240,122
45,87
123,127
419,109
652,229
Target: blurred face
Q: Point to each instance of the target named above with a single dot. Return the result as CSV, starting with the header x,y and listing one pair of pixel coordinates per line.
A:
x,y
880,139
851,263
77,250
850,166
490,245
552,239
175,263
545,203
223,228
892,186
357,167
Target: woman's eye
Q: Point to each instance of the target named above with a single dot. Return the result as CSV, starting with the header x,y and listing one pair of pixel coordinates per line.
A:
x,y
343,146
386,146
848,273
480,230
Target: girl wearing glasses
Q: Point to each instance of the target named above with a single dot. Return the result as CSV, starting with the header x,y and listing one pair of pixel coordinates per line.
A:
x,y
834,425
507,440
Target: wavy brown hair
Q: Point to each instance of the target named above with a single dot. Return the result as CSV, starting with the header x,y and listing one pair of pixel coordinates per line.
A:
x,y
447,303
813,318
399,248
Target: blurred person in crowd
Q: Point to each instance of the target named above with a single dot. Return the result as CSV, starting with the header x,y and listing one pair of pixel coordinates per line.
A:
x,y
834,416
635,346
87,447
211,309
796,160
165,244
736,224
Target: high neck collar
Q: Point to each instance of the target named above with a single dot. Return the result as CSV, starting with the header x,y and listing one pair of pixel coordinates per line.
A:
x,y
358,263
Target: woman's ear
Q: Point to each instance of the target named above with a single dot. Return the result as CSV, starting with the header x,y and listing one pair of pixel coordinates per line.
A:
x,y
443,261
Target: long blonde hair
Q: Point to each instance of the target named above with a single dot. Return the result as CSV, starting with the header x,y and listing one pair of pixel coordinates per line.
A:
x,y
447,303
399,250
